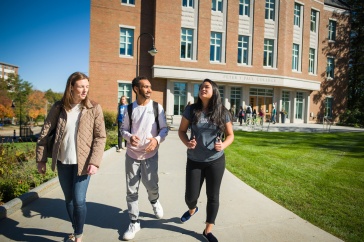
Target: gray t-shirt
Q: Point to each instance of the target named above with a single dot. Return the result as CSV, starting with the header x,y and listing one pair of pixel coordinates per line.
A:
x,y
205,134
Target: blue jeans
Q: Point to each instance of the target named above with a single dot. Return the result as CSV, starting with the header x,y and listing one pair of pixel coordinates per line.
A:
x,y
74,189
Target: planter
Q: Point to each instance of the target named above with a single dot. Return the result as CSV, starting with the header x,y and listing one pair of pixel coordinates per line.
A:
x,y
283,118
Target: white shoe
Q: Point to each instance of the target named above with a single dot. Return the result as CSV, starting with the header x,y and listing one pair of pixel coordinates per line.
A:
x,y
131,231
158,210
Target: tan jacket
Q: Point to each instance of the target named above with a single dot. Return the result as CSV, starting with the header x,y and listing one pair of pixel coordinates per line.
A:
x,y
91,135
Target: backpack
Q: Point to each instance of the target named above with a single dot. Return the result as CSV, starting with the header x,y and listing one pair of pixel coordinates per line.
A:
x,y
248,109
155,109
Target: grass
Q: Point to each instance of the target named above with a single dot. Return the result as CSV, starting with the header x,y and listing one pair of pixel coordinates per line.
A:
x,y
318,176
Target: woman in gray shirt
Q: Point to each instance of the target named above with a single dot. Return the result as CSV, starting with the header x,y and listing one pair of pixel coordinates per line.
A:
x,y
209,121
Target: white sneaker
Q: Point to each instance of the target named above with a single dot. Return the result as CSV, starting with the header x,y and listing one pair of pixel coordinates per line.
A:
x,y
131,231
158,210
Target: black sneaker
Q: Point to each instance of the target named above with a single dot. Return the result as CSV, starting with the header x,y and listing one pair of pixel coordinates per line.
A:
x,y
209,237
186,216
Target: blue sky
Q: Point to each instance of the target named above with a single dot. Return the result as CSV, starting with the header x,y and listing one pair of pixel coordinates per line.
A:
x,y
47,39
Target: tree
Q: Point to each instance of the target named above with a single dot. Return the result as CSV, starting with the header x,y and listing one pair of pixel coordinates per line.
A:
x,y
18,91
36,104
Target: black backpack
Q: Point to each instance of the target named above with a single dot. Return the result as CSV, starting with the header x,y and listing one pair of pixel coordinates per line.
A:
x,y
155,109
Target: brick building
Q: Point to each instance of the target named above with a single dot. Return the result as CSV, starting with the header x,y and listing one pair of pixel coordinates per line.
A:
x,y
6,69
292,53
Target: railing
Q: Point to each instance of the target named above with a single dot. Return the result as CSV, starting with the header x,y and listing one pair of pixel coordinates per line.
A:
x,y
327,122
169,120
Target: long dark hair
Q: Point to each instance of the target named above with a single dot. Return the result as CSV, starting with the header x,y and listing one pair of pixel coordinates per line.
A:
x,y
216,112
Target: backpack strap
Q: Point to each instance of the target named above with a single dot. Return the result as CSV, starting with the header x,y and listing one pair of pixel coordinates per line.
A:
x,y
130,110
155,109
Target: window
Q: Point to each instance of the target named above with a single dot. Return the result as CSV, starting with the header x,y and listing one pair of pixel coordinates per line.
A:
x,y
126,41
297,15
244,8
285,102
268,52
180,97
295,57
187,3
299,105
243,49
217,5
196,91
330,67
235,98
186,43
221,90
124,90
215,46
313,26
311,61
128,1
332,30
269,9
328,107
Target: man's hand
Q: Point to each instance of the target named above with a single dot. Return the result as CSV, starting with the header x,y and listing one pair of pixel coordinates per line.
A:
x,y
134,140
152,144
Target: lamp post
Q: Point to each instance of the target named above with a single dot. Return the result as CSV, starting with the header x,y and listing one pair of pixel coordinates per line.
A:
x,y
153,51
13,106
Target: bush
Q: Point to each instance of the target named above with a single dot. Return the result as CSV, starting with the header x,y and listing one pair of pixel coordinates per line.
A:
x,y
111,139
354,118
110,120
18,171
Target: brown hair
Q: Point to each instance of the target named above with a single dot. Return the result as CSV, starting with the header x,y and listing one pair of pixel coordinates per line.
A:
x,y
67,95
122,98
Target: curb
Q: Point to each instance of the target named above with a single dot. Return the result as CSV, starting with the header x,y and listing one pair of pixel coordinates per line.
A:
x,y
19,202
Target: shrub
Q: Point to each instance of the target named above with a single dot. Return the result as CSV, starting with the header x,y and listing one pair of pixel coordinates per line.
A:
x,y
111,139
353,118
110,120
18,171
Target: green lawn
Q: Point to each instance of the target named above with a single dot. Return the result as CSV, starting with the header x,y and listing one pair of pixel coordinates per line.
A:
x,y
318,176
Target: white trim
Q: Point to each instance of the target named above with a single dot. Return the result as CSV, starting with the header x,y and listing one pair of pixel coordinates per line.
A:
x,y
126,26
171,72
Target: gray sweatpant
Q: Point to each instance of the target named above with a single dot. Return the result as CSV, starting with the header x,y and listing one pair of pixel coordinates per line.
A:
x,y
147,171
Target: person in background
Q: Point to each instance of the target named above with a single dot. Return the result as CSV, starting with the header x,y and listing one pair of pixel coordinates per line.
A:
x,y
78,147
209,120
122,107
241,115
274,113
141,158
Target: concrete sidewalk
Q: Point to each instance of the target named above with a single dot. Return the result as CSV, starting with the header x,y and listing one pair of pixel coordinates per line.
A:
x,y
244,215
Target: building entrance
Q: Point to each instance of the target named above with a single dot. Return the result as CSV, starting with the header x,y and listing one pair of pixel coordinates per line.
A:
x,y
262,99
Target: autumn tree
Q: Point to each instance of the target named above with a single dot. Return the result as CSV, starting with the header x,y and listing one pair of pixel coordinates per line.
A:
x,y
36,104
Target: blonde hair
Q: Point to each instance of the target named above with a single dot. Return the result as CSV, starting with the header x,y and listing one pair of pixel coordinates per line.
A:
x,y
67,95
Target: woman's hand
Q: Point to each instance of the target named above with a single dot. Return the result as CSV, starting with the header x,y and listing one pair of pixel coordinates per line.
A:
x,y
91,170
219,146
42,167
192,143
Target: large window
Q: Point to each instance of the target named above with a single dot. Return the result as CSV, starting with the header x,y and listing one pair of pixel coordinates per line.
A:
x,y
285,102
217,5
328,107
313,25
295,57
269,9
330,67
124,89
332,30
180,97
243,49
235,98
126,41
128,1
268,52
244,8
215,46
311,61
297,15
187,3
299,105
186,43
196,91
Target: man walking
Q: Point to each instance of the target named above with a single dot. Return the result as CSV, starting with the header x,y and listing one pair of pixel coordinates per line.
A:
x,y
144,127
